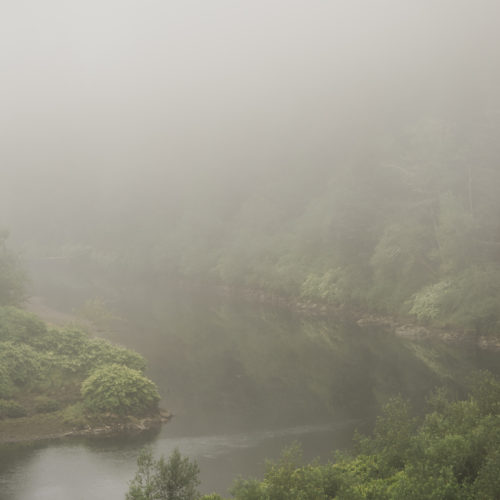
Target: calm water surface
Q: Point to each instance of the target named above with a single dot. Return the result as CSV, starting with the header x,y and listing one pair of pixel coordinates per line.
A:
x,y
244,381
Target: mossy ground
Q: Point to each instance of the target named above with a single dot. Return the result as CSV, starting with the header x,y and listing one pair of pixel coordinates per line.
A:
x,y
34,427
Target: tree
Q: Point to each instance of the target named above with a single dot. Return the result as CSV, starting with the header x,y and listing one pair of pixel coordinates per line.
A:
x,y
175,479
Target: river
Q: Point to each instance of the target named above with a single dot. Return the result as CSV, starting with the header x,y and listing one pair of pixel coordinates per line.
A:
x,y
243,381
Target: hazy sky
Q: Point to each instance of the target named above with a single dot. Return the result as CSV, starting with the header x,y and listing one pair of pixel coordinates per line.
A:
x,y
107,92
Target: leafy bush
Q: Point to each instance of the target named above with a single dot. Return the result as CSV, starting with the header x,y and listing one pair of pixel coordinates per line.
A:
x,y
19,325
70,341
470,299
23,363
74,351
101,352
11,409
120,390
427,303
35,359
322,287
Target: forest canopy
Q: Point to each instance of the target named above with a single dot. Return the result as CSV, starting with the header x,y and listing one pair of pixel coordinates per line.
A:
x,y
405,226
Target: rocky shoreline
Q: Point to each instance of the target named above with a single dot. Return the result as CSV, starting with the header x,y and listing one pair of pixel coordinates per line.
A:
x,y
402,327
130,426
51,427
399,327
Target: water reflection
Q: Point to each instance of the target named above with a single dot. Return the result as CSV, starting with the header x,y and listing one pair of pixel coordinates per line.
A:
x,y
101,469
244,381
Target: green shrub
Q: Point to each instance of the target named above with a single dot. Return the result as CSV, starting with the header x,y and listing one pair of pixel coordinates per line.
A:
x,y
75,352
322,287
100,352
23,363
16,324
11,409
120,390
470,299
427,303
70,341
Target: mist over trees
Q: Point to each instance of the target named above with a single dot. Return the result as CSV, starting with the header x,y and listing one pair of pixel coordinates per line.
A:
x,y
13,279
342,152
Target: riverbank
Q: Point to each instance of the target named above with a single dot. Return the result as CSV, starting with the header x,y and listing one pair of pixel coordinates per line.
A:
x,y
54,426
400,326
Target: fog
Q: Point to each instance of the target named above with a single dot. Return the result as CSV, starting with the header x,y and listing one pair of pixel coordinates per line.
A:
x,y
285,206
109,105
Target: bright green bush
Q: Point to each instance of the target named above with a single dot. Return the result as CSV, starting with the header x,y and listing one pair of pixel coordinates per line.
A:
x,y
74,351
69,341
119,390
23,364
470,299
36,360
322,287
100,352
19,325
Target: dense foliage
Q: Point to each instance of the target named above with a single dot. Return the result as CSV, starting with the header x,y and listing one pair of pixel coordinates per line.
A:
x,y
119,390
44,369
450,453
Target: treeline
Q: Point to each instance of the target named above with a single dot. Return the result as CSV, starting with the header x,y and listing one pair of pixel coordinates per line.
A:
x,y
408,227
404,223
450,453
